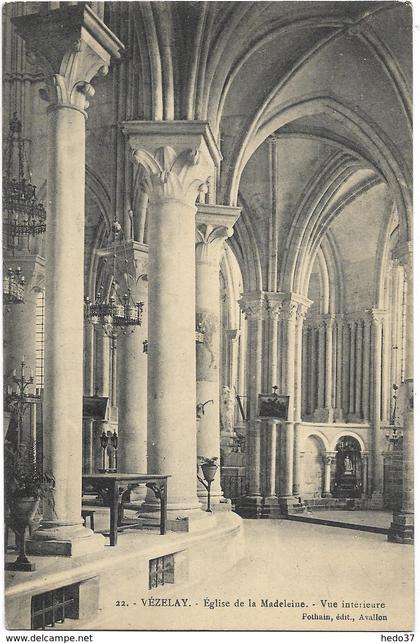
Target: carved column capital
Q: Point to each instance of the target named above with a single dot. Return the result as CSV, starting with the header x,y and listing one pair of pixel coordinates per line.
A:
x,y
178,158
329,321
377,316
209,242
252,305
71,45
273,305
214,224
329,457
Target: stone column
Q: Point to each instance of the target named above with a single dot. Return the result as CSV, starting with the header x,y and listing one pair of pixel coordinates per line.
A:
x,y
365,472
386,384
345,370
177,159
312,366
359,361
71,60
252,305
339,367
352,363
366,370
377,447
329,328
232,343
305,374
289,313
132,371
273,308
214,224
328,460
321,368
402,526
302,309
88,385
298,455
102,389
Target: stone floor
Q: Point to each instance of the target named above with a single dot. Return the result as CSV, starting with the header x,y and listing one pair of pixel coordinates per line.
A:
x,y
357,517
289,562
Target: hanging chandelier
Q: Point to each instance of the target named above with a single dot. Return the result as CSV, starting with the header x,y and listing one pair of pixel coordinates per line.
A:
x,y
23,214
114,307
13,286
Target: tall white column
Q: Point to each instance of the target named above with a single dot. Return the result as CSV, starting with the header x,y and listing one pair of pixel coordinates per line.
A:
x,y
312,367
359,362
328,460
339,368
62,531
132,371
365,472
366,370
402,526
289,312
252,305
299,388
377,446
321,365
352,364
177,158
329,328
345,370
214,226
88,385
273,306
305,370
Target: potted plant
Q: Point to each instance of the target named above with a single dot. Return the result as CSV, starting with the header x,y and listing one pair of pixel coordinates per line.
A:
x,y
25,486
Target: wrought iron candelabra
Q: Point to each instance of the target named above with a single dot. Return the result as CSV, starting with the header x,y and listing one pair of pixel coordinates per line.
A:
x,y
21,398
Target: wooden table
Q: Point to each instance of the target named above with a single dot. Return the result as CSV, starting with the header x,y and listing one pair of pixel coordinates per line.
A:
x,y
112,486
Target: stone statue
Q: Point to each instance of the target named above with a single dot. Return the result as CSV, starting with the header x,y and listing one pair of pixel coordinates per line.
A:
x,y
227,409
348,465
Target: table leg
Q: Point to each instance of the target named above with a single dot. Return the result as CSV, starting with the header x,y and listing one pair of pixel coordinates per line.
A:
x,y
113,515
163,498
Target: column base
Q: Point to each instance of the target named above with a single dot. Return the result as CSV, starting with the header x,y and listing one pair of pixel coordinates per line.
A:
x,y
286,503
217,504
250,506
20,566
189,522
74,540
377,500
402,529
326,494
271,507
354,417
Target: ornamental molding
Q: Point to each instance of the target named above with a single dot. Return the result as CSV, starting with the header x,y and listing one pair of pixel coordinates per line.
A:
x,y
377,316
252,305
217,215
71,46
209,242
